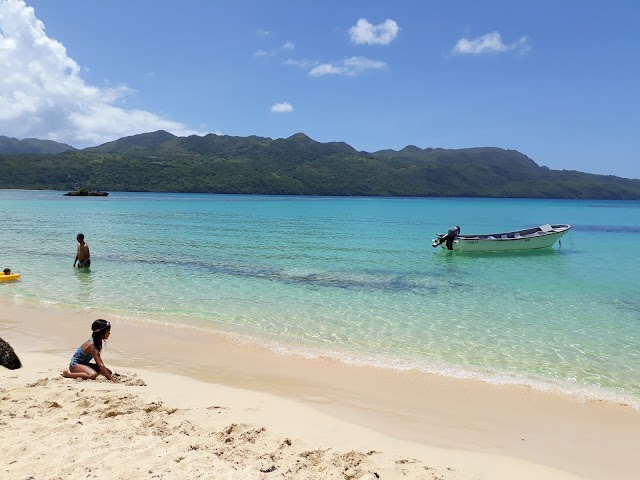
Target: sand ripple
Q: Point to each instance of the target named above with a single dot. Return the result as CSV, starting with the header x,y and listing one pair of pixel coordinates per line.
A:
x,y
59,429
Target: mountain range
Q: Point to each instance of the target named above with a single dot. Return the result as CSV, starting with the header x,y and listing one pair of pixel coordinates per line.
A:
x,y
10,145
298,165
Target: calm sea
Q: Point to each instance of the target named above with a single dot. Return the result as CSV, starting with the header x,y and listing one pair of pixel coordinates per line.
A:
x,y
353,278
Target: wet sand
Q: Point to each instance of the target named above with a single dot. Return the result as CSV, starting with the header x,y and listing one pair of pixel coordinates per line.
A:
x,y
276,409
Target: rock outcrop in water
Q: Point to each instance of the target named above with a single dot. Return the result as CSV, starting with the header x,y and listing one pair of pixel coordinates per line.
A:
x,y
85,192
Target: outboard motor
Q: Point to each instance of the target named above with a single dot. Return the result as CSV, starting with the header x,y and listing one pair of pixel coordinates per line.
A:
x,y
449,237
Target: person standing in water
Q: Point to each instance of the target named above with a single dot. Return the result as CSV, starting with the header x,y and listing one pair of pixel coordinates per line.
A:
x,y
82,256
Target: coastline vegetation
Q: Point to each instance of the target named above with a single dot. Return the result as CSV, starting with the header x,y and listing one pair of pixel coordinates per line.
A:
x,y
298,165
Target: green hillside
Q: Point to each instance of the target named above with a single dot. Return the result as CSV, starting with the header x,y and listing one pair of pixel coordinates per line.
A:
x,y
298,165
12,145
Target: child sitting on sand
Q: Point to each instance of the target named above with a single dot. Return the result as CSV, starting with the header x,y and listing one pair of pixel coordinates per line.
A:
x,y
79,367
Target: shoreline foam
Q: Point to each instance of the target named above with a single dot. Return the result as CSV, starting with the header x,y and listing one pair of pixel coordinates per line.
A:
x,y
234,334
589,439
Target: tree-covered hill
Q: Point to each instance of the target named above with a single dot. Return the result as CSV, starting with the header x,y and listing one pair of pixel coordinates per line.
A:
x,y
298,165
143,141
12,145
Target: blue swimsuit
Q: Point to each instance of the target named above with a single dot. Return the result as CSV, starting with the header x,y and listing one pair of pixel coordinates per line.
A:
x,y
80,357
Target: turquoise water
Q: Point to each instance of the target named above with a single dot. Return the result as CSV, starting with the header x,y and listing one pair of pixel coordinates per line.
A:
x,y
353,278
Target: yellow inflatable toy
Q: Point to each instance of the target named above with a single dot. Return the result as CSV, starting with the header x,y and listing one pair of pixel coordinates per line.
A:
x,y
11,276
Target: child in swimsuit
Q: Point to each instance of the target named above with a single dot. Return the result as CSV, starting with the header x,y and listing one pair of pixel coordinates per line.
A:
x,y
80,365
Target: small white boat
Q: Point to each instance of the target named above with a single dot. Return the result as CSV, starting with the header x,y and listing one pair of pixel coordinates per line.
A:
x,y
533,238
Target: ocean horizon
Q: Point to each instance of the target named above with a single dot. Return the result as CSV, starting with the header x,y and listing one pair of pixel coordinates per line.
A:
x,y
354,279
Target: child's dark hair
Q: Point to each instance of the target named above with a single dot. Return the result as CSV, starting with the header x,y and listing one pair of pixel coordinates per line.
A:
x,y
99,328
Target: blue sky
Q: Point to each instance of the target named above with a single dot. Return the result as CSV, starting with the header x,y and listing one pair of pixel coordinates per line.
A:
x,y
556,80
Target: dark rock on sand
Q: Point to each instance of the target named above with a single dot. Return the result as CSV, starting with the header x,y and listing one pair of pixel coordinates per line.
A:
x,y
8,357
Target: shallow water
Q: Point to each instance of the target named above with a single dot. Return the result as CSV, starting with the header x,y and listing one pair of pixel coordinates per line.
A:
x,y
353,278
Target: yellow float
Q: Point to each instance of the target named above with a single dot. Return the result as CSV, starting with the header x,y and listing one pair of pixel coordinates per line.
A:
x,y
11,276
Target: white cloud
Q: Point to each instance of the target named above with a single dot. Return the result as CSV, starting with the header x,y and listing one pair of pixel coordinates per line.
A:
x,y
364,32
275,51
284,107
327,69
303,64
42,94
489,43
362,63
349,67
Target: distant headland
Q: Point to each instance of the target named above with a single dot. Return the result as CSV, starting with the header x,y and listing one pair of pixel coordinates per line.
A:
x,y
298,165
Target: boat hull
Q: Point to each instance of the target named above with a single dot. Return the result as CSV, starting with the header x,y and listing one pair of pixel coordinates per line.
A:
x,y
529,239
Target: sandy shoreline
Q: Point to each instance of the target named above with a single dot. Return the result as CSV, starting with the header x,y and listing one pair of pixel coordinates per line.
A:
x,y
308,418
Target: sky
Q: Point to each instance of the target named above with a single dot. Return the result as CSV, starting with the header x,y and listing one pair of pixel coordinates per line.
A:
x,y
556,80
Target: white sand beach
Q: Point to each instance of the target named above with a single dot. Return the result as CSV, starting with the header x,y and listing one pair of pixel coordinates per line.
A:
x,y
190,403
